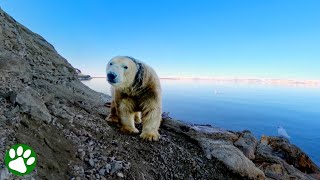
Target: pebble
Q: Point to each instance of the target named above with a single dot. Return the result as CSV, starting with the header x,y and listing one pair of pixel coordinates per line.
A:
x,y
115,143
126,165
79,116
108,168
115,166
80,150
91,162
199,160
82,155
76,168
102,172
120,174
2,118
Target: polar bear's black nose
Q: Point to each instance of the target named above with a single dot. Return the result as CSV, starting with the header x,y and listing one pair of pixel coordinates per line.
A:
x,y
111,76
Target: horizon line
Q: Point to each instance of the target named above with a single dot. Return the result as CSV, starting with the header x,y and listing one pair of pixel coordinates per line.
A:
x,y
242,79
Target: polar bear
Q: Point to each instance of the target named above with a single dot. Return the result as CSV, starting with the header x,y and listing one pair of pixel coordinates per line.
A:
x,y
136,96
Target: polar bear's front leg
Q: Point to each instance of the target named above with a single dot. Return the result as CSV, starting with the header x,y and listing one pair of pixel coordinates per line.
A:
x,y
113,117
137,117
151,119
127,117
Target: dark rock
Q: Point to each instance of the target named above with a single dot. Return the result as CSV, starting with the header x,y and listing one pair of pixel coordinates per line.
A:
x,y
84,77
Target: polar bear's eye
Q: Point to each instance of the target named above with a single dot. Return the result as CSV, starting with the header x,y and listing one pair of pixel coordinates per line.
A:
x,y
110,64
125,67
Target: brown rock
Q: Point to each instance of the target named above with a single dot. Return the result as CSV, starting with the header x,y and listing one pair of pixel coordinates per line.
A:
x,y
293,155
275,160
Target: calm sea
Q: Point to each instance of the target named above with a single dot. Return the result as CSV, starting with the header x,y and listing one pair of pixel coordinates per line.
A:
x,y
258,107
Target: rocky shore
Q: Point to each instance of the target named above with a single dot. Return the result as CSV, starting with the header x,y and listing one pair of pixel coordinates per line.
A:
x,y
44,105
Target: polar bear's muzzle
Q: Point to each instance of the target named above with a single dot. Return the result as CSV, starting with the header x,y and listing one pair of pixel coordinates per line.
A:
x,y
112,77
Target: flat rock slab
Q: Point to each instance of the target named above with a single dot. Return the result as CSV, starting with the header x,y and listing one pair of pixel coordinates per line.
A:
x,y
215,132
197,131
30,102
231,156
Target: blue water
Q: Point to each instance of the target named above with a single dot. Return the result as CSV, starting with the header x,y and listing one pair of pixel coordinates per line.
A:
x,y
257,107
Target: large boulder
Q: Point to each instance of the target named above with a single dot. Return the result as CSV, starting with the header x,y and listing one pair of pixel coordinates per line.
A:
x,y
231,156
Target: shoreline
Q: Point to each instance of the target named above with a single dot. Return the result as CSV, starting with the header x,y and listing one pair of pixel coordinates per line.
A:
x,y
277,82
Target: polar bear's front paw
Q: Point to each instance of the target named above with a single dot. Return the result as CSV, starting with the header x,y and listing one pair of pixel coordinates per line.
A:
x,y
137,117
112,118
150,135
129,130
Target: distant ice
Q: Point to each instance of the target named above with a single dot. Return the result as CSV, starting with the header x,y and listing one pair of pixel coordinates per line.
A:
x,y
282,132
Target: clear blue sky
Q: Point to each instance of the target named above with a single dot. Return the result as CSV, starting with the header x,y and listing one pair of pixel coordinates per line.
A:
x,y
240,38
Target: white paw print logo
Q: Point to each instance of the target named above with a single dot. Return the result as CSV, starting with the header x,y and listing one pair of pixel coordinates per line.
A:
x,y
21,159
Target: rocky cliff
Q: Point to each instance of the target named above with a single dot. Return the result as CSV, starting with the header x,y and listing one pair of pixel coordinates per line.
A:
x,y
44,105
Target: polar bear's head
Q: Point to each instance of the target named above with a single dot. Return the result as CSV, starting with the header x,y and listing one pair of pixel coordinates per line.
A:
x,y
122,71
